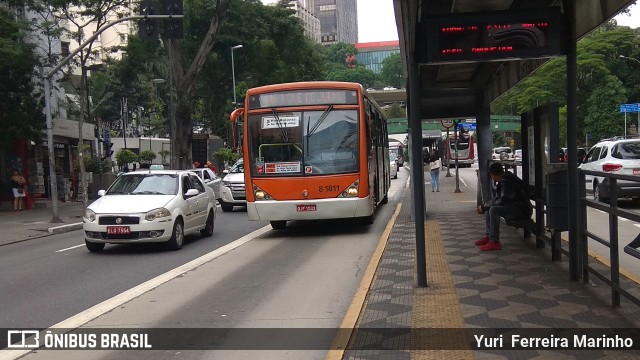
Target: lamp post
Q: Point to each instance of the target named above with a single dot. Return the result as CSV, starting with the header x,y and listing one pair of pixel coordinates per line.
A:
x,y
625,114
233,73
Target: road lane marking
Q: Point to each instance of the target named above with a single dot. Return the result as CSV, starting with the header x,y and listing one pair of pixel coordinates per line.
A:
x,y
463,183
69,248
340,342
104,307
636,225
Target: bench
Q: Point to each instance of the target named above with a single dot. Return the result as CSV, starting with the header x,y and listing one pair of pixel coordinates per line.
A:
x,y
525,224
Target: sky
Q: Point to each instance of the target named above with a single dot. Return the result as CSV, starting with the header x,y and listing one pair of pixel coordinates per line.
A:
x,y
376,20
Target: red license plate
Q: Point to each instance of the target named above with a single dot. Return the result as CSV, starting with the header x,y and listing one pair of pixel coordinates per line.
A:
x,y
636,171
118,230
306,208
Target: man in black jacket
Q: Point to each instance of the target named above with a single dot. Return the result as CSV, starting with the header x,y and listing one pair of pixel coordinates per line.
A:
x,y
511,202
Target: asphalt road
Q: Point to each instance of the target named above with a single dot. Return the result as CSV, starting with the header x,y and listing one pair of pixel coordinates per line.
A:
x,y
49,279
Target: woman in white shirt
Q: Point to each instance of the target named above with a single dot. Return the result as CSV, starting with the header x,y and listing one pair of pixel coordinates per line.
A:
x,y
435,165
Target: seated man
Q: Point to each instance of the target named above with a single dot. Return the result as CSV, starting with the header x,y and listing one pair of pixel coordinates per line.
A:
x,y
511,202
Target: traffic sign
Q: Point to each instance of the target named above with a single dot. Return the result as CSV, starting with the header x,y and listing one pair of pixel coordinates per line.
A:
x,y
447,123
467,126
107,135
625,108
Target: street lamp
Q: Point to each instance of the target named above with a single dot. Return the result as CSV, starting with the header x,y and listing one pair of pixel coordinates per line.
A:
x,y
625,113
233,73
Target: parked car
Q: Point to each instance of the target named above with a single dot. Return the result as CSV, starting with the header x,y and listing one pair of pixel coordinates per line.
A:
x,y
210,179
517,156
563,156
150,206
232,189
619,156
388,88
502,154
393,162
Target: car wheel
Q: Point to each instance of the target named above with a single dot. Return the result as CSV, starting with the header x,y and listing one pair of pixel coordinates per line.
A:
x,y
208,228
597,194
278,225
226,207
94,247
177,237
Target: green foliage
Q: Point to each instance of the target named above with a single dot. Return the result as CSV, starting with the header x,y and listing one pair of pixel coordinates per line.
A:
x,y
337,53
359,74
226,156
498,139
147,156
391,72
164,154
395,111
20,106
125,157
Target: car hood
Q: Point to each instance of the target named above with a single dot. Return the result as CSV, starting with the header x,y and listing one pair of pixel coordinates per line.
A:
x,y
126,204
234,177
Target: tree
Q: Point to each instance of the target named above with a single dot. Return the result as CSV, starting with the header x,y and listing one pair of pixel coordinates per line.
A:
x,y
391,71
164,154
359,74
147,156
20,106
124,157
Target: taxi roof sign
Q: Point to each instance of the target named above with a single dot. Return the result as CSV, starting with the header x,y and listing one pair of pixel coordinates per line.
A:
x,y
156,167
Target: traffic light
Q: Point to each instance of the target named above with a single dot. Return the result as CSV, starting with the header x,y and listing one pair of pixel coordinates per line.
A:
x,y
174,28
148,28
107,150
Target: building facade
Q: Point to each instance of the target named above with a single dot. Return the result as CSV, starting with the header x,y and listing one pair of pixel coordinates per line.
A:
x,y
338,21
372,54
304,10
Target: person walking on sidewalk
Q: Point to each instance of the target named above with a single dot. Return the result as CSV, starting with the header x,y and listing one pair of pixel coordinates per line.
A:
x,y
435,165
511,202
18,186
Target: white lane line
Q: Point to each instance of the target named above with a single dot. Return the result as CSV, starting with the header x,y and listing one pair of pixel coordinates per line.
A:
x,y
69,248
636,225
112,303
463,183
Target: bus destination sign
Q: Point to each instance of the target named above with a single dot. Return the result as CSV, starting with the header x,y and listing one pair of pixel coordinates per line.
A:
x,y
494,36
303,98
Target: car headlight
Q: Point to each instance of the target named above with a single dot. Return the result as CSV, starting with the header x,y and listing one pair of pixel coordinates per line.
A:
x,y
156,214
226,182
90,215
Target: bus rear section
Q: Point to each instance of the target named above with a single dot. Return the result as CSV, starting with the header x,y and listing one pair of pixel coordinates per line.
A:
x,y
397,148
465,150
309,153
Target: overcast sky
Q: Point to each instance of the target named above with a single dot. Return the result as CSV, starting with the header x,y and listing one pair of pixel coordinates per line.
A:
x,y
376,20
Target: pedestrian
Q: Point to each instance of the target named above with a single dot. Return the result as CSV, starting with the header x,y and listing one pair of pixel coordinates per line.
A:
x,y
510,202
18,186
435,165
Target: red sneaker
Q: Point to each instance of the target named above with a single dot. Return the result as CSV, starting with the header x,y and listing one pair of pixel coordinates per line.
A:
x,y
482,241
490,246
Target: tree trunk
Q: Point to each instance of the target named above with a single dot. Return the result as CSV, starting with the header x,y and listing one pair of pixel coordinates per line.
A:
x,y
183,132
83,105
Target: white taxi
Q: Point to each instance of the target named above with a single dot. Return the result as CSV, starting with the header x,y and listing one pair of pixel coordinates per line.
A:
x,y
150,206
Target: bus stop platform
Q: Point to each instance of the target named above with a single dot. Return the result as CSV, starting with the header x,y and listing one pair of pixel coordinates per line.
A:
x,y
516,291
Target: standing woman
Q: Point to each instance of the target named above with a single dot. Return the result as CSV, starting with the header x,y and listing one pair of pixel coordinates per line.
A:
x,y
435,165
18,184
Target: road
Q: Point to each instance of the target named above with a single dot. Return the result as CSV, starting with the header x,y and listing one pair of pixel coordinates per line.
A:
x,y
597,223
303,277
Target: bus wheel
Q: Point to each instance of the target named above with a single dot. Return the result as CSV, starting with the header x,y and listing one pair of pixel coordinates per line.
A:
x,y
368,220
278,225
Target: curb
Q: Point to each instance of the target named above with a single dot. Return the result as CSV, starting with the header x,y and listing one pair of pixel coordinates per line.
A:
x,y
64,228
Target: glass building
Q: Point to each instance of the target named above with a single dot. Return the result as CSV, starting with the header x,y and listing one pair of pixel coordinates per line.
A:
x,y
372,54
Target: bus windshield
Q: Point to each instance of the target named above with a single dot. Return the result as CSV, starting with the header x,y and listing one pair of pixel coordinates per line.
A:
x,y
462,144
303,142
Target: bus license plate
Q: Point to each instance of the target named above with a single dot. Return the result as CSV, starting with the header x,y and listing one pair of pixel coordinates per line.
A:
x,y
636,171
118,230
306,208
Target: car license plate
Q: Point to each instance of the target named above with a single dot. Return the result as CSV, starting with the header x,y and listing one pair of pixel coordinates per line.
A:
x,y
636,171
118,230
306,207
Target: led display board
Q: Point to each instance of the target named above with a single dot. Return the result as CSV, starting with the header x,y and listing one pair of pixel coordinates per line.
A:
x,y
492,36
303,98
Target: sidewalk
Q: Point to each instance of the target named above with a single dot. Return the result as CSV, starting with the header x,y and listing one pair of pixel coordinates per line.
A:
x,y
470,291
34,223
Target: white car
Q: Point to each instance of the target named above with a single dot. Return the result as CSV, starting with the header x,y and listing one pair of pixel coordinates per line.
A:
x,y
210,179
393,165
232,189
502,154
616,156
389,88
517,157
150,206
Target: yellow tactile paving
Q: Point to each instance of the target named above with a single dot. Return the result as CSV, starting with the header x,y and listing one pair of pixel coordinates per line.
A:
x,y
437,306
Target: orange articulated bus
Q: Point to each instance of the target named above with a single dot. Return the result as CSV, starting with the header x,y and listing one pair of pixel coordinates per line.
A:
x,y
313,150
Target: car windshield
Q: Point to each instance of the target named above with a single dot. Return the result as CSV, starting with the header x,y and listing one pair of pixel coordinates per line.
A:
x,y
237,168
626,151
145,184
501,150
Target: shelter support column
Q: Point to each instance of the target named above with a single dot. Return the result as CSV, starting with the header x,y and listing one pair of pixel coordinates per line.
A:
x,y
484,142
417,168
575,227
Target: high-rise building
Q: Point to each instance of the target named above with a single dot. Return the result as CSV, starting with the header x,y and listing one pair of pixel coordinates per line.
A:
x,y
304,10
371,54
338,21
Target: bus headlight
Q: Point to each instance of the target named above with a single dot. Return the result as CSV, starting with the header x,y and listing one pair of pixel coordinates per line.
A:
x,y
260,194
352,191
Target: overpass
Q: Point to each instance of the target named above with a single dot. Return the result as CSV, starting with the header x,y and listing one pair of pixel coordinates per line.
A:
x,y
501,123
